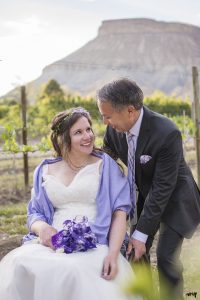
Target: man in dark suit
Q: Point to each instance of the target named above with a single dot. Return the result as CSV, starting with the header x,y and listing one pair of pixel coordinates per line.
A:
x,y
168,197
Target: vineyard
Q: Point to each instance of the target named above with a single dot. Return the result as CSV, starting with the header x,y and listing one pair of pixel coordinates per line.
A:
x,y
38,118
15,191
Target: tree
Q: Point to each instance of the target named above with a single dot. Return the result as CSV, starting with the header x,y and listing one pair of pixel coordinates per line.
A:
x,y
51,101
53,88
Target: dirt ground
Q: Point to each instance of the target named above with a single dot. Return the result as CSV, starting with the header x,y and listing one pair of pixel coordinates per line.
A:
x,y
8,243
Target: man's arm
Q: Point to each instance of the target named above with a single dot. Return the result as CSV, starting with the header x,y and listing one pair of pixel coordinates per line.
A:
x,y
163,183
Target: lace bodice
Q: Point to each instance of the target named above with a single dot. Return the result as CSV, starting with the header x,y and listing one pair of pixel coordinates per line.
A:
x,y
78,198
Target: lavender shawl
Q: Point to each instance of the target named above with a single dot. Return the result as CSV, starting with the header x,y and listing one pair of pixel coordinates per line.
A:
x,y
113,194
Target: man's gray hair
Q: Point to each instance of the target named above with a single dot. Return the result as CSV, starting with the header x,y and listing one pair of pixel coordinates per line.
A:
x,y
120,93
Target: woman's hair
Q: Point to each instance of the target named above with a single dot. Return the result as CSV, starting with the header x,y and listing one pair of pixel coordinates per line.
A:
x,y
61,125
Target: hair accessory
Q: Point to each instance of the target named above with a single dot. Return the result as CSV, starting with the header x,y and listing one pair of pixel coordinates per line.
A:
x,y
78,110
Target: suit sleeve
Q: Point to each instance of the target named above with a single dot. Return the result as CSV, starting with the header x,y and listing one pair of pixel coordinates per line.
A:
x,y
163,183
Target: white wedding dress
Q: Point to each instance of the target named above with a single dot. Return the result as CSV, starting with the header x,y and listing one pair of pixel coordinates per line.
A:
x,y
36,272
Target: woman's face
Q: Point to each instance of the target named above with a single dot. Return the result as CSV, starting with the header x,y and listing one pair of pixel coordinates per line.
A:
x,y
82,137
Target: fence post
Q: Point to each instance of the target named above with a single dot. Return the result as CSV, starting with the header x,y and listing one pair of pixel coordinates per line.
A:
x,y
197,117
24,136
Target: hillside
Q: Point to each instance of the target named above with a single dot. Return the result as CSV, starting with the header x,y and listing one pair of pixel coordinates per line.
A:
x,y
157,55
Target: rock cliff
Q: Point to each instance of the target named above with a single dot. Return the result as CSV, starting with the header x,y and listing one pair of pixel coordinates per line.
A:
x,y
157,55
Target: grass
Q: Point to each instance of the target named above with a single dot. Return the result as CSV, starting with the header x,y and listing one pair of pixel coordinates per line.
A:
x,y
13,219
191,263
11,171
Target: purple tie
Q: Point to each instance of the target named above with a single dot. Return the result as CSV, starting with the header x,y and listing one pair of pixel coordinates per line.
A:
x,y
131,170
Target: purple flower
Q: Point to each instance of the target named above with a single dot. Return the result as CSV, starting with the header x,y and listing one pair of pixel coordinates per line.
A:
x,y
76,236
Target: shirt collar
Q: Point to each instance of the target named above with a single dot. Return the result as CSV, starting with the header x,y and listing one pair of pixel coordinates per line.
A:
x,y
136,127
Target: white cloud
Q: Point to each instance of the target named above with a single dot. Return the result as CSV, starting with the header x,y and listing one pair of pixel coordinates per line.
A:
x,y
29,26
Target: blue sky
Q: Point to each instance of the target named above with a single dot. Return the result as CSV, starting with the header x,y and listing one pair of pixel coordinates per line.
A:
x,y
35,33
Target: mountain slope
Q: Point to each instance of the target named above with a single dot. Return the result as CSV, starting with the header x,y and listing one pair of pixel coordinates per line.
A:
x,y
157,55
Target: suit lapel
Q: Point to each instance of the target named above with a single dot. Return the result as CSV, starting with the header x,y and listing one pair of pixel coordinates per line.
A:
x,y
143,138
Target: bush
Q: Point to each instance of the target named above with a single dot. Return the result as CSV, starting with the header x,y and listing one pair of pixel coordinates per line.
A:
x,y
169,105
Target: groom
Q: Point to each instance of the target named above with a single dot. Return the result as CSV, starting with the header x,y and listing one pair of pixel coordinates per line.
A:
x,y
168,197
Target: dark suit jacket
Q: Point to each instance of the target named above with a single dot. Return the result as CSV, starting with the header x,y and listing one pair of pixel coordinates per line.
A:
x,y
167,190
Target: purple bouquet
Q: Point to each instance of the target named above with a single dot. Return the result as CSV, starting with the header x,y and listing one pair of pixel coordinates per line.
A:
x,y
76,236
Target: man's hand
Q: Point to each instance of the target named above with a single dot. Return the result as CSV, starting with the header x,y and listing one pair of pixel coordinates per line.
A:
x,y
139,248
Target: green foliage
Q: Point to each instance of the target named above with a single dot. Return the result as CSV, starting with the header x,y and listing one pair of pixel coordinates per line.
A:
x,y
185,125
169,105
44,145
4,109
9,138
53,88
11,145
11,115
27,148
8,102
98,128
144,283
53,100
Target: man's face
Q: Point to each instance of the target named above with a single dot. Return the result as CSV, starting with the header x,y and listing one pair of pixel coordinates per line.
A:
x,y
121,120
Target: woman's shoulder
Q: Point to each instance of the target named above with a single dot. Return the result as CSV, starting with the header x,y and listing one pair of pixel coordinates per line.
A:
x,y
106,158
46,162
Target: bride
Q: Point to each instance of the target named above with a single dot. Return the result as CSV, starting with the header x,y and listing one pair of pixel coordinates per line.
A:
x,y
80,181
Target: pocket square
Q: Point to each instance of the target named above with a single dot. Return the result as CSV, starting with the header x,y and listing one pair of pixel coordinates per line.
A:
x,y
144,159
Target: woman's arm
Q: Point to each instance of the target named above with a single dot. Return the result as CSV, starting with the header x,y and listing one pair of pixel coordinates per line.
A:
x,y
40,211
116,236
44,231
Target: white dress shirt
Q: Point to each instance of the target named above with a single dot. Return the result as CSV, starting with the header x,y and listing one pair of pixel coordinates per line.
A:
x,y
135,132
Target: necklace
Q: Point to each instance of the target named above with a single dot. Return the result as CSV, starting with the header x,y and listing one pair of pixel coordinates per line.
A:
x,y
75,167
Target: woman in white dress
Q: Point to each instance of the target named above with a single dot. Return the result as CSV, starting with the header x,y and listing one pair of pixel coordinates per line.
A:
x,y
80,181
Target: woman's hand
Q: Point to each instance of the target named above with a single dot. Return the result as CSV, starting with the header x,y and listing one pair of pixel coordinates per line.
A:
x,y
116,237
45,233
110,267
